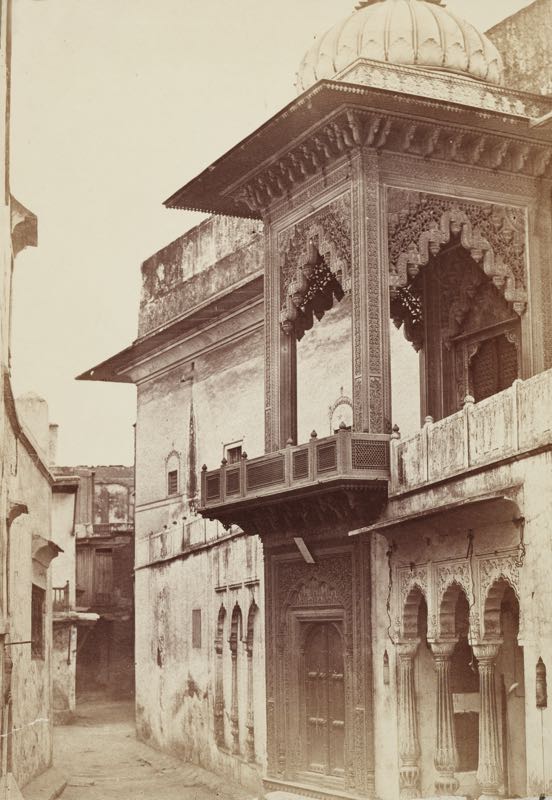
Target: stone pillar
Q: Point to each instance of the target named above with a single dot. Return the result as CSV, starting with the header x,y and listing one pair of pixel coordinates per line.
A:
x,y
446,755
490,772
219,694
234,713
250,741
409,745
370,296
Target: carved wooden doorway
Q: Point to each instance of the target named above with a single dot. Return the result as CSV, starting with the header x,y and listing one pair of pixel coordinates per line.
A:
x,y
324,699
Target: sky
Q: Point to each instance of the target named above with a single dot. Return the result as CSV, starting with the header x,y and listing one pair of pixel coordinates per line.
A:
x,y
115,105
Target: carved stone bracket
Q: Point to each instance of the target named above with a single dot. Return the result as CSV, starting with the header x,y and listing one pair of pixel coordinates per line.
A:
x,y
351,129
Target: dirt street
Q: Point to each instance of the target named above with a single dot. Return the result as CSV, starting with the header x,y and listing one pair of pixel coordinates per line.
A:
x,y
103,761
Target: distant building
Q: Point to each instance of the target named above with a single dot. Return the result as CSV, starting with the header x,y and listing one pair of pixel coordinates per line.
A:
x,y
102,584
357,604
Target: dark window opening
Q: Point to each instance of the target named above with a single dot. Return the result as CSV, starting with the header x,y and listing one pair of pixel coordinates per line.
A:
x,y
103,577
494,367
233,454
172,482
196,628
37,622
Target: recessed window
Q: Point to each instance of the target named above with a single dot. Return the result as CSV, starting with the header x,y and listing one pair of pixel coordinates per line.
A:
x,y
172,482
233,451
37,622
196,627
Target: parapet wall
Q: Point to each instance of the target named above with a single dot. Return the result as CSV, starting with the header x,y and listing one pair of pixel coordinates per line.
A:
x,y
206,261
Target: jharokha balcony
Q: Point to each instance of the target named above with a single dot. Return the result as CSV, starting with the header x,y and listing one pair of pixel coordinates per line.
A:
x,y
337,479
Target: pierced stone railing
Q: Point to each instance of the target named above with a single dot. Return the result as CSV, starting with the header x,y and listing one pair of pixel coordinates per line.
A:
x,y
346,456
511,422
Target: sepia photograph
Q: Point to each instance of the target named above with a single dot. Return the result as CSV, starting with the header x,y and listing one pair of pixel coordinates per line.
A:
x,y
276,427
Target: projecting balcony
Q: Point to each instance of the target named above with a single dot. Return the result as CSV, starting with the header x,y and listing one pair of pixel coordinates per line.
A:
x,y
337,479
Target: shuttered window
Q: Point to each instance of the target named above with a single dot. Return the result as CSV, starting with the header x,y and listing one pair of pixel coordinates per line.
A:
x,y
172,482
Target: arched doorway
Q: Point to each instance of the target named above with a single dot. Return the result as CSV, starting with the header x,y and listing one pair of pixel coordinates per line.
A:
x,y
502,619
324,699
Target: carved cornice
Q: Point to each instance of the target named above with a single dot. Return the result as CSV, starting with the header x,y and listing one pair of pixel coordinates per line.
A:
x,y
350,129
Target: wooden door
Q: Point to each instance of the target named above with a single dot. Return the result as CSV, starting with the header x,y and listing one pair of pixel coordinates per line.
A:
x,y
103,576
324,700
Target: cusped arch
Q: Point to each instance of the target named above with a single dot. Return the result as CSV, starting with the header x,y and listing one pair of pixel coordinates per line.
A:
x,y
493,603
493,235
251,617
447,609
221,620
411,610
235,628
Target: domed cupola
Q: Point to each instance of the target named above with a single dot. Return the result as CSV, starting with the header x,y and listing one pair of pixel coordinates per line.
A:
x,y
416,33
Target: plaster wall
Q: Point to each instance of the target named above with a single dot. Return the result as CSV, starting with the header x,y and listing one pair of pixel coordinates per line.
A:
x,y
64,662
175,688
31,677
63,534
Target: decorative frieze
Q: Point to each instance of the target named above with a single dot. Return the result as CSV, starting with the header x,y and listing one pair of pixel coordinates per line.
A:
x,y
351,129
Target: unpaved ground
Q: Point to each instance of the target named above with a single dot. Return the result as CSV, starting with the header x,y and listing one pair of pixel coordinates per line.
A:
x,y
103,761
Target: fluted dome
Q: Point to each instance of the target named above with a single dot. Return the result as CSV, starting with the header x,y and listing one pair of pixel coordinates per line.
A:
x,y
417,33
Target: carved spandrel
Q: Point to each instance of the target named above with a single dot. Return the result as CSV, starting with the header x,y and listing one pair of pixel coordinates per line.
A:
x,y
420,225
330,231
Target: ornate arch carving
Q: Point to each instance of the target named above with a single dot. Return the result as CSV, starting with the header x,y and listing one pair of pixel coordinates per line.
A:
x,y
235,628
342,400
492,606
250,632
420,225
221,619
447,607
410,611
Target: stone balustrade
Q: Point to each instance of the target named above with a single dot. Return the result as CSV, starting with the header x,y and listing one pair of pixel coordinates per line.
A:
x,y
506,424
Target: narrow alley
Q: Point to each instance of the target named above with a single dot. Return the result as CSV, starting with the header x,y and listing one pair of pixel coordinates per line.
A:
x,y
102,759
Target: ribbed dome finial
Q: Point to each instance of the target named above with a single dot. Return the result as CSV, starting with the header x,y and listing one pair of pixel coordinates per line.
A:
x,y
413,33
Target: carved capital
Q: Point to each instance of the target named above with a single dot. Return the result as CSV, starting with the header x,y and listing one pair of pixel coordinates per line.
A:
x,y
443,649
486,652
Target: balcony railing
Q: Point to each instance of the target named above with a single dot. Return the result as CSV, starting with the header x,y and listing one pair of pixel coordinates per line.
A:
x,y
346,456
61,601
504,425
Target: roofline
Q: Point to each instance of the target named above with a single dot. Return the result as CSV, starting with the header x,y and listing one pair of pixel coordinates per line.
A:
x,y
204,183
110,370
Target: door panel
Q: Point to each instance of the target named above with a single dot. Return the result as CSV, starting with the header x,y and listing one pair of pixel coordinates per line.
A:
x,y
324,700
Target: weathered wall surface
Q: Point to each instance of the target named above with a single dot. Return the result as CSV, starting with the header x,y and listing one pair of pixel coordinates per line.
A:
x,y
64,660
63,534
205,261
31,678
176,679
523,41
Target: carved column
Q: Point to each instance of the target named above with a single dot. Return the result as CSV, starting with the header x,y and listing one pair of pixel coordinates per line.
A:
x,y
409,745
250,740
370,294
446,755
288,388
490,771
219,694
234,713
